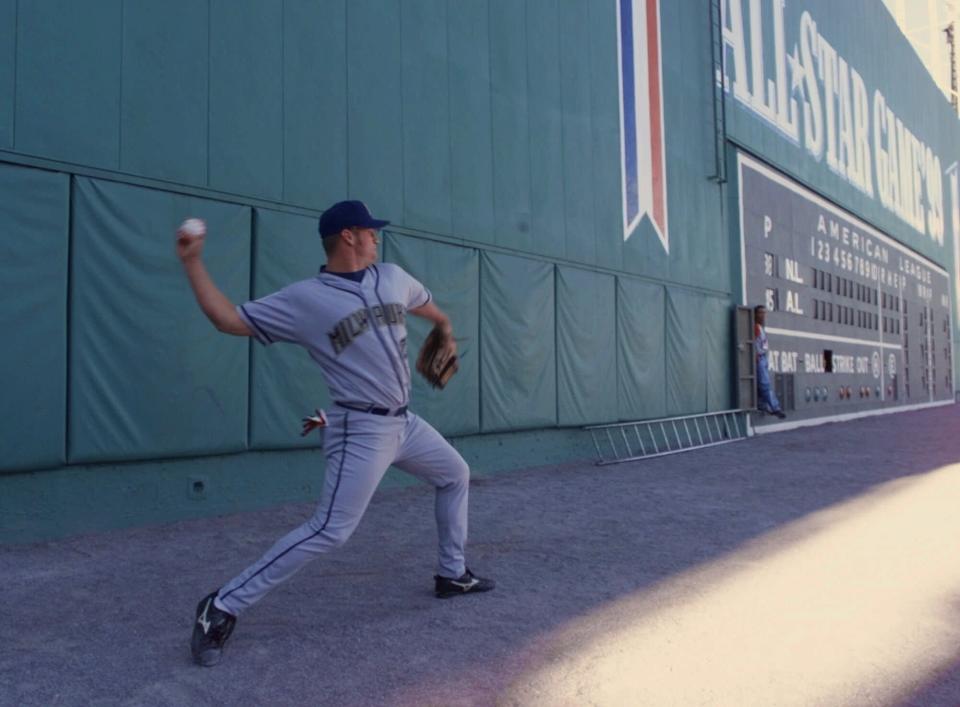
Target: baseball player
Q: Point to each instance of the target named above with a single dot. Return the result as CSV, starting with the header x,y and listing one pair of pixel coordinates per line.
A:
x,y
351,320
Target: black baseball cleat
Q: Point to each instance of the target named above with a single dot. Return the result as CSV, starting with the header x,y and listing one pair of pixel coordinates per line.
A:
x,y
210,632
466,583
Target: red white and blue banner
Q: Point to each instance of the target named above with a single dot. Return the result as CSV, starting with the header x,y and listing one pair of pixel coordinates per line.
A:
x,y
642,160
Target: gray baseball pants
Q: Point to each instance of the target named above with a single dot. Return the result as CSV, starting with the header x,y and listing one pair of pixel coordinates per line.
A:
x,y
359,447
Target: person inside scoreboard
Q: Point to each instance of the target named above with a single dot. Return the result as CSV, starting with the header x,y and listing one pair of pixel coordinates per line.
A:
x,y
766,398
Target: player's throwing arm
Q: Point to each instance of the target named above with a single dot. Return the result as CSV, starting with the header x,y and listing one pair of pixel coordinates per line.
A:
x,y
219,310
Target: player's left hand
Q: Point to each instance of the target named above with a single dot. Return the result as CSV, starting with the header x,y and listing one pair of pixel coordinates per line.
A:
x,y
314,422
446,352
437,361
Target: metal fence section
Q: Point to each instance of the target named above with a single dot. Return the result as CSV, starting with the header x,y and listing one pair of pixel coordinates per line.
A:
x,y
630,441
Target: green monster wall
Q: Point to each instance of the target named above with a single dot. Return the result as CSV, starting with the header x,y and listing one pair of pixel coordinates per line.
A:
x,y
487,131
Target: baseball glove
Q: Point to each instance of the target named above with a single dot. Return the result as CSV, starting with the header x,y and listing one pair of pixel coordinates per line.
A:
x,y
435,362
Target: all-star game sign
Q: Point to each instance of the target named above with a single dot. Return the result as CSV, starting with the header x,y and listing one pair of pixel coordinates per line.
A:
x,y
818,100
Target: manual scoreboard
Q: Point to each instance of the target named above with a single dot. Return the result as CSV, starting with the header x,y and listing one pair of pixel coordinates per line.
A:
x,y
857,321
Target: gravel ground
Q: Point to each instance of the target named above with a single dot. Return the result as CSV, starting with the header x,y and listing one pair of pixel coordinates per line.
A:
x,y
704,568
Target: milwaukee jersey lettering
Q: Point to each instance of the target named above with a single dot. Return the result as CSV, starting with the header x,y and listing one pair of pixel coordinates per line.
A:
x,y
352,326
331,316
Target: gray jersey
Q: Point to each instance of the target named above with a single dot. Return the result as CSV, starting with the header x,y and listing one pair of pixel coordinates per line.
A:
x,y
356,331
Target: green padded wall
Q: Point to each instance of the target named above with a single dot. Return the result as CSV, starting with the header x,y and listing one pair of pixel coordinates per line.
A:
x,y
452,274
426,109
686,351
603,112
471,151
68,81
149,375
586,350
164,107
33,359
510,124
641,349
375,106
582,229
486,120
314,102
518,385
545,126
286,385
720,362
246,97
8,62
491,120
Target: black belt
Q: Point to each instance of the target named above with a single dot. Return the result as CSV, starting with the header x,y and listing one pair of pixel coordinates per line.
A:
x,y
373,410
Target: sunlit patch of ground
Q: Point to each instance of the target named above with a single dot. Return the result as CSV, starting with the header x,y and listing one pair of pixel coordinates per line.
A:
x,y
857,604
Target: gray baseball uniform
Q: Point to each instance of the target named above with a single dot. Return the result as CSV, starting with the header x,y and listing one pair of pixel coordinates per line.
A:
x,y
356,332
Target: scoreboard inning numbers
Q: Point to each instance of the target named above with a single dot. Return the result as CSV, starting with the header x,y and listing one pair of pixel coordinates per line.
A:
x,y
856,321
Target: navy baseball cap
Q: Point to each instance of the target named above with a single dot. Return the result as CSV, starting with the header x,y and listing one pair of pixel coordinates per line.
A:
x,y
347,214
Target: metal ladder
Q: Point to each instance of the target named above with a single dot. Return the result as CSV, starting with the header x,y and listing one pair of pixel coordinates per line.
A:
x,y
629,441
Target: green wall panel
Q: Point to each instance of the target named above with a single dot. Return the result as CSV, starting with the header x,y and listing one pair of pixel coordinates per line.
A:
x,y
34,225
643,253
68,81
605,121
246,97
510,124
314,102
518,384
471,147
149,375
686,349
720,363
546,128
163,120
641,349
286,385
426,116
586,354
577,150
452,274
8,63
698,250
375,115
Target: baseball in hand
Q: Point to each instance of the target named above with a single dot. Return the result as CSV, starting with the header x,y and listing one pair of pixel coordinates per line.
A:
x,y
193,227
